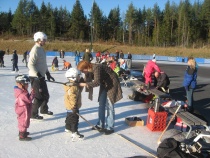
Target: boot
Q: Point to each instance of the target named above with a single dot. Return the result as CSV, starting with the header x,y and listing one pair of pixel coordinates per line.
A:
x,y
23,136
77,136
27,133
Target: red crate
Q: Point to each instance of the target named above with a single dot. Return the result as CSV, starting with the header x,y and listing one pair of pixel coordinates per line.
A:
x,y
156,121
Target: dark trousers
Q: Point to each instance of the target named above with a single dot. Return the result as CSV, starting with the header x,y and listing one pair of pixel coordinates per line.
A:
x,y
25,59
15,66
72,121
41,98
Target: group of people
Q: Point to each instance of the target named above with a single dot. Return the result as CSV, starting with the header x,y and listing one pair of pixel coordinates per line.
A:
x,y
14,59
101,75
162,81
95,75
67,65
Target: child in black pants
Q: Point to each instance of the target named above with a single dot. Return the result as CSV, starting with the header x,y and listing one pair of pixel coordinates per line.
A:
x,y
72,101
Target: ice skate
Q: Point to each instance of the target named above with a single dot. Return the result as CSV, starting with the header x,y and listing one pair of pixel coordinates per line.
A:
x,y
68,131
27,133
36,118
24,137
49,113
76,136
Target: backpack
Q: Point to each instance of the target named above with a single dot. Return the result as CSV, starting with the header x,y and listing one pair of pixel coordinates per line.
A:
x,y
169,148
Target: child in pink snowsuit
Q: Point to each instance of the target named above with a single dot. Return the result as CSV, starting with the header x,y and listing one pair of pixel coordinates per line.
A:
x,y
23,105
149,69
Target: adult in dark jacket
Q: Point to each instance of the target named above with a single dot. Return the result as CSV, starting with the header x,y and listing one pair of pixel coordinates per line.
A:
x,y
162,80
129,60
190,81
14,61
87,56
25,58
121,55
109,93
55,64
62,54
117,55
2,53
77,57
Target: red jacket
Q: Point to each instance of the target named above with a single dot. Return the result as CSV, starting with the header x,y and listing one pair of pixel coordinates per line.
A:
x,y
98,54
149,69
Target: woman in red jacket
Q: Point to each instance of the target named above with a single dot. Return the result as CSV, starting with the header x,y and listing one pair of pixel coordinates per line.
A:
x,y
149,69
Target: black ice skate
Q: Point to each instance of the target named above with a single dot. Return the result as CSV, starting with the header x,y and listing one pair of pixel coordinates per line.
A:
x,y
49,113
37,117
24,137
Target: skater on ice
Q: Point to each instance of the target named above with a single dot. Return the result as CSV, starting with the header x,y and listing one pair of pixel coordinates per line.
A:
x,y
72,100
109,93
37,70
23,105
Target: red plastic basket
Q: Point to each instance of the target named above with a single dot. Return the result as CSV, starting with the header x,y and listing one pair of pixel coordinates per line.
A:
x,y
156,121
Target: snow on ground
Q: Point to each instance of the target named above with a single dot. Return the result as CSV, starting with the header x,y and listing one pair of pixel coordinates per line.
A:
x,y
48,136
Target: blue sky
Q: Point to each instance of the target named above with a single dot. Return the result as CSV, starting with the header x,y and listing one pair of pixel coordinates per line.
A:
x,y
104,5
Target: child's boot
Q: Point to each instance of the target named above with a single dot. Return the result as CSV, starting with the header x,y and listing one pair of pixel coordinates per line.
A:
x,y
24,137
77,136
27,133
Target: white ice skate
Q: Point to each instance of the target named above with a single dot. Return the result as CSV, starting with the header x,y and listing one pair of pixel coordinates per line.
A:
x,y
68,131
76,136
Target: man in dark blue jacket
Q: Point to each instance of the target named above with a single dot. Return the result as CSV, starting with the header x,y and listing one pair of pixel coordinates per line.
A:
x,y
14,61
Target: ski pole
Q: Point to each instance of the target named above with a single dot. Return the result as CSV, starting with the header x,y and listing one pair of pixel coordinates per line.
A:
x,y
159,139
56,82
128,140
87,121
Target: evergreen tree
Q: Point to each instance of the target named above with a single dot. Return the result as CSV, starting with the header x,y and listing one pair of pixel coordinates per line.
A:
x,y
44,17
113,23
206,20
157,22
169,25
32,17
77,21
130,21
5,22
19,21
96,17
50,22
62,20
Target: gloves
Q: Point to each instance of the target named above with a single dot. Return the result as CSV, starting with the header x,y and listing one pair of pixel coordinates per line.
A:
x,y
75,111
49,76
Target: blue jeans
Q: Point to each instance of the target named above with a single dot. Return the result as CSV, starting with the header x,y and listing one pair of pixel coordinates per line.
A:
x,y
189,96
105,104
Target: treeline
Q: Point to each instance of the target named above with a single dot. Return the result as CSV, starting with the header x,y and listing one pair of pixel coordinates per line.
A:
x,y
183,24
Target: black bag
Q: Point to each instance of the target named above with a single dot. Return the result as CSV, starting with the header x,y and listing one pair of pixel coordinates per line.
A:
x,y
169,148
137,96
